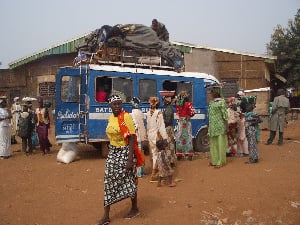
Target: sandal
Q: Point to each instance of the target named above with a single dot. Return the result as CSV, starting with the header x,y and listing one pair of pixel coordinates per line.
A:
x,y
172,185
132,214
103,222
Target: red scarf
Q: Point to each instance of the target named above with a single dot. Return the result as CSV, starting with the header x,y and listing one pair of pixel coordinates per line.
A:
x,y
139,155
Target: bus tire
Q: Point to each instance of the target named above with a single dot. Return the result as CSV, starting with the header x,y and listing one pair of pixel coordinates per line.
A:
x,y
201,142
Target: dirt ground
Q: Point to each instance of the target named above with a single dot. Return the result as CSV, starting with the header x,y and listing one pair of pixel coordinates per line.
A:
x,y
36,190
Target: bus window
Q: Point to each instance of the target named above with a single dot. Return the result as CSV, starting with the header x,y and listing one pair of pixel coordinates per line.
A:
x,y
185,86
123,88
103,87
147,89
169,85
70,89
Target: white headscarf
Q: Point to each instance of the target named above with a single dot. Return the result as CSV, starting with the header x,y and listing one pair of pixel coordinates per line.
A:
x,y
241,93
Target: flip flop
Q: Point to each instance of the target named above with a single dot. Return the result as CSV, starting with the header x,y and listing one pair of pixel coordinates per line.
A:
x,y
103,222
172,185
209,164
132,214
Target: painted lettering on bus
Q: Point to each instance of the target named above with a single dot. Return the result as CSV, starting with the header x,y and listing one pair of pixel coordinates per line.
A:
x,y
103,110
68,128
67,115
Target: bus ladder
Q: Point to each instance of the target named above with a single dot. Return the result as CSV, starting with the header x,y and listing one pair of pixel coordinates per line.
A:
x,y
83,109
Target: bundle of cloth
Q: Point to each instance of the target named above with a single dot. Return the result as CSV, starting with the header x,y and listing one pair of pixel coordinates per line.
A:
x,y
137,37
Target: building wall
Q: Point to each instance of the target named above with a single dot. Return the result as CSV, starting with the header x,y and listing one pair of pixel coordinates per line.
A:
x,y
11,84
26,78
235,70
246,72
201,60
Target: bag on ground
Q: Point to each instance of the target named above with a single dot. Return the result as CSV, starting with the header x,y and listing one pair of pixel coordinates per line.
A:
x,y
67,152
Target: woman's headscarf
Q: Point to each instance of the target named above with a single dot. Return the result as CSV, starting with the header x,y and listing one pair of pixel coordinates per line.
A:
x,y
231,101
182,98
167,99
241,94
153,102
135,102
2,99
114,98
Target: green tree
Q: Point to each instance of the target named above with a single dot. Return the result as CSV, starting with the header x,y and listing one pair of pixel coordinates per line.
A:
x,y
285,44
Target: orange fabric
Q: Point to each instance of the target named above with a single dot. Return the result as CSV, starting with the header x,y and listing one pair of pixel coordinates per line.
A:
x,y
139,155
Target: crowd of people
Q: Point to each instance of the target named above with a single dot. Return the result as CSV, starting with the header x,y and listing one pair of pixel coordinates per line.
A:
x,y
234,126
233,131
21,120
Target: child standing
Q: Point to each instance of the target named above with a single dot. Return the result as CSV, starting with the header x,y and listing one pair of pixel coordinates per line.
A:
x,y
252,120
163,163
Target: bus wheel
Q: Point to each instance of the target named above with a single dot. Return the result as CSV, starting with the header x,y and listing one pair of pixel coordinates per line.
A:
x,y
201,142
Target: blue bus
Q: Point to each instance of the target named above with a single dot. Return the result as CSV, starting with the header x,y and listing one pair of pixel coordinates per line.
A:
x,y
81,110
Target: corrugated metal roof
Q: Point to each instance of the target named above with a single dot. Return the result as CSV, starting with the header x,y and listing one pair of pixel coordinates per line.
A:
x,y
61,48
70,47
271,57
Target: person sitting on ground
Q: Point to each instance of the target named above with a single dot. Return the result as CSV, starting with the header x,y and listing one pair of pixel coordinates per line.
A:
x,y
161,30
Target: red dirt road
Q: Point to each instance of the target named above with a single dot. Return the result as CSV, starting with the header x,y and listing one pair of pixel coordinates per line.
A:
x,y
36,190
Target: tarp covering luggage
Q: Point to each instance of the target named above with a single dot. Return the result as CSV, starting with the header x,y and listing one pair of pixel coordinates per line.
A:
x,y
140,38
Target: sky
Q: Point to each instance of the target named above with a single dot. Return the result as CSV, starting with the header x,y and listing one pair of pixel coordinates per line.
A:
x,y
244,26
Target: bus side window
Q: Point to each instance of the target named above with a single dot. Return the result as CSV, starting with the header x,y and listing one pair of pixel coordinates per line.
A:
x,y
186,86
123,88
70,89
169,86
103,86
147,89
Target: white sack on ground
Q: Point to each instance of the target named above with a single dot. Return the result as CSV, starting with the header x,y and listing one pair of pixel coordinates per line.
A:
x,y
67,152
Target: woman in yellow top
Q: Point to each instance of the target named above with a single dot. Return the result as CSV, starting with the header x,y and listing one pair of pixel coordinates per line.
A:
x,y
120,169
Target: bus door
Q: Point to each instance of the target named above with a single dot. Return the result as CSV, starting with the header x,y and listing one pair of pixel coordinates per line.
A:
x,y
71,105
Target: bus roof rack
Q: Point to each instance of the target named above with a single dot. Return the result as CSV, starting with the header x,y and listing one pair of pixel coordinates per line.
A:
x,y
124,57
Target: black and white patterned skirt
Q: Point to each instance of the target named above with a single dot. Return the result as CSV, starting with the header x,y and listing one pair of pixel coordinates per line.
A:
x,y
118,184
